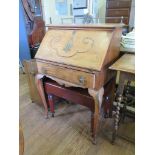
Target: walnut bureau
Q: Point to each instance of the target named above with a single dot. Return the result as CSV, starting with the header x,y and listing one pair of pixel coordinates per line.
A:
x,y
79,56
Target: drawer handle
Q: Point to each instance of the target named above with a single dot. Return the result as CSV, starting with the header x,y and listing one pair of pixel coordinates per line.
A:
x,y
82,80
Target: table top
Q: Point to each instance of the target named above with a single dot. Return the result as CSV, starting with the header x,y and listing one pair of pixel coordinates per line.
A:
x,y
126,63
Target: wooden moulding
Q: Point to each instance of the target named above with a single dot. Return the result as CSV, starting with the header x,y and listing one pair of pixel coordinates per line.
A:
x,y
85,26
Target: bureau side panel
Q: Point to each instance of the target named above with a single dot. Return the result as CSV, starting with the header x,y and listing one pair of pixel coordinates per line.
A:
x,y
112,55
114,48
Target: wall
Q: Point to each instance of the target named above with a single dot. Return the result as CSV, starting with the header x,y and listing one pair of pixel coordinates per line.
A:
x,y
102,10
49,11
24,52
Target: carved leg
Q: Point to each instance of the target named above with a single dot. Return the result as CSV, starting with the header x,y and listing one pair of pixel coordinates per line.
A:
x,y
39,84
97,96
116,118
51,104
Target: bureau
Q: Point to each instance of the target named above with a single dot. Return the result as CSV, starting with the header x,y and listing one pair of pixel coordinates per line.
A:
x,y
79,56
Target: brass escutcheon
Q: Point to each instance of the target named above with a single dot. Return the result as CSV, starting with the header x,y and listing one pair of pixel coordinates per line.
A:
x,y
82,80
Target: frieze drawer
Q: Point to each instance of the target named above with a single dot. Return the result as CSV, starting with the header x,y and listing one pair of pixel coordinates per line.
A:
x,y
81,78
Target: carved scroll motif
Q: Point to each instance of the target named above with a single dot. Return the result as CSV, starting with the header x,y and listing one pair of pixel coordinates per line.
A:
x,y
71,48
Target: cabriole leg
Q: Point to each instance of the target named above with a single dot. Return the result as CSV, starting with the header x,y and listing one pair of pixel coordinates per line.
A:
x,y
97,96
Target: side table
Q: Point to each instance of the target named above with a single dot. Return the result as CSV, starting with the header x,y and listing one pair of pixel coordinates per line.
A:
x,y
126,66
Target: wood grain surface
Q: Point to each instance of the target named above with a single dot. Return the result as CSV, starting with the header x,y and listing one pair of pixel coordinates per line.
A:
x,y
67,74
69,132
81,48
82,26
126,63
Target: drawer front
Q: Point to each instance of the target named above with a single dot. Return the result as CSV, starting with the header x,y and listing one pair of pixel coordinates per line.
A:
x,y
73,76
117,12
118,4
117,20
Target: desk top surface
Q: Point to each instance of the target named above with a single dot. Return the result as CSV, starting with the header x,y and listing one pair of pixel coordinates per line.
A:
x,y
126,63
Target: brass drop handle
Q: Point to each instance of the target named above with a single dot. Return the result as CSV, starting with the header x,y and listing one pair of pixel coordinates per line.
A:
x,y
82,80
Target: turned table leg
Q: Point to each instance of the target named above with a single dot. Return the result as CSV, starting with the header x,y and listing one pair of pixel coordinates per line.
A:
x,y
97,96
116,119
125,99
51,103
39,84
123,77
119,94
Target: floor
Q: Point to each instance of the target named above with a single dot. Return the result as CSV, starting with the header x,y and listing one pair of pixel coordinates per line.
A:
x,y
68,133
